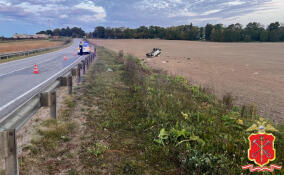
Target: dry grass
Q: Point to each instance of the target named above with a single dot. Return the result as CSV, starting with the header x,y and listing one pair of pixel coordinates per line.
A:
x,y
18,46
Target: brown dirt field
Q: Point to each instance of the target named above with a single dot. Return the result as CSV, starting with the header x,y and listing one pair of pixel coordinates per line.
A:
x,y
252,72
17,46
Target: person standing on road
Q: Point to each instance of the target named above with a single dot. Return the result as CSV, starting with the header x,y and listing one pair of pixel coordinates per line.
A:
x,y
81,48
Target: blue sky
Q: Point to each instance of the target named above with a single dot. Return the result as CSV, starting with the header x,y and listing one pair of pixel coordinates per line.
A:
x,y
30,16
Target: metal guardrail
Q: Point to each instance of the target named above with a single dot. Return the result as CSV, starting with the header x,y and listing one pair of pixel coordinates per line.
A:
x,y
29,52
46,96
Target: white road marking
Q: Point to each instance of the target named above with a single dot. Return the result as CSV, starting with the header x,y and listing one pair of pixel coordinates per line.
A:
x,y
1,75
21,96
29,59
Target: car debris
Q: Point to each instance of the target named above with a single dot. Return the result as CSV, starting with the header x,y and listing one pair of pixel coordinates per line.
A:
x,y
109,70
155,52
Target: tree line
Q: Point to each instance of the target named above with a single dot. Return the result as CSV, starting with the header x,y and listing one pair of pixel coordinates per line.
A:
x,y
233,33
74,32
253,31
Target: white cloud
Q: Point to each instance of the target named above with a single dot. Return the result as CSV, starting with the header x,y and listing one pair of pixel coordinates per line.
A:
x,y
35,8
55,10
63,16
99,13
182,13
205,19
152,4
266,13
5,3
234,3
211,12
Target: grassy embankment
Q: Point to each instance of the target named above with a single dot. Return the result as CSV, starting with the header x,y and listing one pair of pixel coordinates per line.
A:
x,y
128,119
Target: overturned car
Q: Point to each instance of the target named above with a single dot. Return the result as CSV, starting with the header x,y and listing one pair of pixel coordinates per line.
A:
x,y
155,52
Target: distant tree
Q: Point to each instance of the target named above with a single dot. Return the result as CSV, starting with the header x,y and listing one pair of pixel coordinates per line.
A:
x,y
263,36
247,38
202,33
208,30
108,33
152,32
281,33
89,34
254,30
68,32
119,32
63,32
217,33
232,33
49,32
99,32
273,26
77,32
142,32
128,33
56,32
274,32
41,32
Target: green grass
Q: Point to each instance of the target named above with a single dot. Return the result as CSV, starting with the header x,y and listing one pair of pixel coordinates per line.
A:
x,y
2,172
52,140
177,128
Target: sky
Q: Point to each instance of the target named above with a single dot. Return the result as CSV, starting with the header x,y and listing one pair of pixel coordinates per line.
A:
x,y
31,16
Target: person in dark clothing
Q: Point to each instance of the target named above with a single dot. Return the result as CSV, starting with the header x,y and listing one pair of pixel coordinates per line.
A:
x,y
81,48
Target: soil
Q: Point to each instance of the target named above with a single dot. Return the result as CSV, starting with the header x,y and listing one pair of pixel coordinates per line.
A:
x,y
29,130
9,47
252,72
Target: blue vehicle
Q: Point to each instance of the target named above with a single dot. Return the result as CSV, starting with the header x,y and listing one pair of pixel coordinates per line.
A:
x,y
84,48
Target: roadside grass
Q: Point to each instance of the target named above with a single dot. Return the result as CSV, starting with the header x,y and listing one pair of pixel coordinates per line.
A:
x,y
141,121
49,148
160,124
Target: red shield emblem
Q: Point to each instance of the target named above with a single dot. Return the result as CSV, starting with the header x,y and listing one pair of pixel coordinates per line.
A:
x,y
261,149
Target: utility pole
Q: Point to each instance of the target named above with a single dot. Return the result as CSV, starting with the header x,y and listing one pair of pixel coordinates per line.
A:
x,y
49,27
49,24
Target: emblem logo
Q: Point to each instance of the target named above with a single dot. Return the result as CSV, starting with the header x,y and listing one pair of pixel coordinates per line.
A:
x,y
261,150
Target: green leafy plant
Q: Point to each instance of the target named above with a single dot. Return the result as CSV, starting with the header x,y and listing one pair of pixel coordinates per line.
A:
x,y
97,149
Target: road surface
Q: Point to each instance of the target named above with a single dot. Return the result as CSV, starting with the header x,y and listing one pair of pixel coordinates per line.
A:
x,y
18,83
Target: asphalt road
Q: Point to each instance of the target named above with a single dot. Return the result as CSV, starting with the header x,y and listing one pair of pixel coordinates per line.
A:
x,y
18,83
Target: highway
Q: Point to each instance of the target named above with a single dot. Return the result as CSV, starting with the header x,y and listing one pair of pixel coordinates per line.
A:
x,y
18,83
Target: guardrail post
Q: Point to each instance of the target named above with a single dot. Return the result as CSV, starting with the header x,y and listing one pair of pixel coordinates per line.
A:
x,y
8,151
83,66
73,72
49,99
52,97
63,80
69,84
12,160
79,73
3,151
87,62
